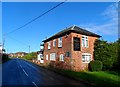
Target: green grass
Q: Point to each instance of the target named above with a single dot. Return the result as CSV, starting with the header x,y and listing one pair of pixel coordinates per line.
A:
x,y
101,79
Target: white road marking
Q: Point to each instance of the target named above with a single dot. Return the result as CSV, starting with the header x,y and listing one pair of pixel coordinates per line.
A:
x,y
35,68
20,66
35,84
25,72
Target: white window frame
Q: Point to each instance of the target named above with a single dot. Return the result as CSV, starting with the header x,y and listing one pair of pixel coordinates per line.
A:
x,y
54,43
49,44
53,56
84,41
61,57
47,57
86,55
60,42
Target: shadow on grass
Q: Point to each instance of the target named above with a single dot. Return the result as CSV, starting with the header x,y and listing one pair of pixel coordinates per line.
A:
x,y
98,78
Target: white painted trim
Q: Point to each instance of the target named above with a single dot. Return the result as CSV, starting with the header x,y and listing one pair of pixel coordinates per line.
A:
x,y
60,57
85,41
53,56
59,41
49,45
87,54
53,42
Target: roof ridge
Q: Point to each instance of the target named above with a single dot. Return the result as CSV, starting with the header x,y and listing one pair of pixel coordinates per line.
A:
x,y
73,27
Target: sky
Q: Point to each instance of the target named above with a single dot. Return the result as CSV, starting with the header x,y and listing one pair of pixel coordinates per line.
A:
x,y
100,18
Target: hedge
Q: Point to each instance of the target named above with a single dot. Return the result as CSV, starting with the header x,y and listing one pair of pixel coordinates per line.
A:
x,y
96,65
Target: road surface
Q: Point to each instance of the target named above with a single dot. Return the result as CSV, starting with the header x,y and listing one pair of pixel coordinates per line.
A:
x,y
18,72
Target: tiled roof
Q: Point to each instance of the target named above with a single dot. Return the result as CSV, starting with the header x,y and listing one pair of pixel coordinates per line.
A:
x,y
75,29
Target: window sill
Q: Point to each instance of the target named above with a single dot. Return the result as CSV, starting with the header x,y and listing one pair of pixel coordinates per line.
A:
x,y
61,61
85,47
85,62
59,47
52,60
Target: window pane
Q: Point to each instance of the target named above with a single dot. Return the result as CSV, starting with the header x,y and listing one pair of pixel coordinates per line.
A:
x,y
48,45
60,42
86,42
60,38
83,58
76,43
67,54
86,58
54,43
46,57
61,57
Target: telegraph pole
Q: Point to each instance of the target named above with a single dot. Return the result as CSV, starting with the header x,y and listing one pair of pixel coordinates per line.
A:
x,y
3,44
3,40
29,48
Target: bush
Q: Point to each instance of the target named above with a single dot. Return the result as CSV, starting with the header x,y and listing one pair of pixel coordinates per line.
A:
x,y
96,65
5,58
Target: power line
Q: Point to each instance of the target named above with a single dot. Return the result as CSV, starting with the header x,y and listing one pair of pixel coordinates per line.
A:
x,y
17,40
37,17
27,46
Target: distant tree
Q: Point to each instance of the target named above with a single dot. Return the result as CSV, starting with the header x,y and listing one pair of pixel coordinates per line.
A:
x,y
30,56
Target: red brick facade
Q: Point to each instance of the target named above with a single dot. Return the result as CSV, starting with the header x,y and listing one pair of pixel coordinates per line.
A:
x,y
74,61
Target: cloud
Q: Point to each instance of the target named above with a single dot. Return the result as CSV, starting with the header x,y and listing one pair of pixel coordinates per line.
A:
x,y
110,27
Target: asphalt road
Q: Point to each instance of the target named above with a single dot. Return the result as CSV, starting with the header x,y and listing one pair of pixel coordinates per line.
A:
x,y
18,72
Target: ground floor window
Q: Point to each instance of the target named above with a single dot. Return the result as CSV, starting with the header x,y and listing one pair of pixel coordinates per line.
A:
x,y
67,54
86,58
47,57
61,57
52,56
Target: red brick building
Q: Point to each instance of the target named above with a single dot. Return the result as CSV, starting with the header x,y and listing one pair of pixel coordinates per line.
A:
x,y
71,49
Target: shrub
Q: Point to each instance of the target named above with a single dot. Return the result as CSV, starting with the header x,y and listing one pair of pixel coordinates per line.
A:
x,y
96,65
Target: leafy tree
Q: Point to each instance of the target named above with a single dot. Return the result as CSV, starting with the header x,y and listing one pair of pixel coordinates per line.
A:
x,y
107,53
31,56
117,58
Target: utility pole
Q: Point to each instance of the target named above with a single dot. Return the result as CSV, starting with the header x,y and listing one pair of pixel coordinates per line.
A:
x,y
3,44
29,48
3,40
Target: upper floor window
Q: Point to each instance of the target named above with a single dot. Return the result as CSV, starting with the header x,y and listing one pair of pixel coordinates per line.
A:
x,y
84,41
60,42
54,43
52,56
86,58
49,45
61,57
76,43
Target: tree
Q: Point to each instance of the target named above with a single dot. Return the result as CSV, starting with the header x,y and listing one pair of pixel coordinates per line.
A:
x,y
107,53
31,56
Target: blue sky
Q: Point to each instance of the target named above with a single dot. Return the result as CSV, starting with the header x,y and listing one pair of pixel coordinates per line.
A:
x,y
100,18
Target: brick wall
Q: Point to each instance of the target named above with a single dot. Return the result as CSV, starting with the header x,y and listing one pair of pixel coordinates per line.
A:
x,y
74,62
77,55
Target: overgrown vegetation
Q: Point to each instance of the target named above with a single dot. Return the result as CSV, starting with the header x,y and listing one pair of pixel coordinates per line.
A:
x,y
30,56
108,54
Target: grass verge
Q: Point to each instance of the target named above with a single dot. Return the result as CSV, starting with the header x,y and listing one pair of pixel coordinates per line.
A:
x,y
98,79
